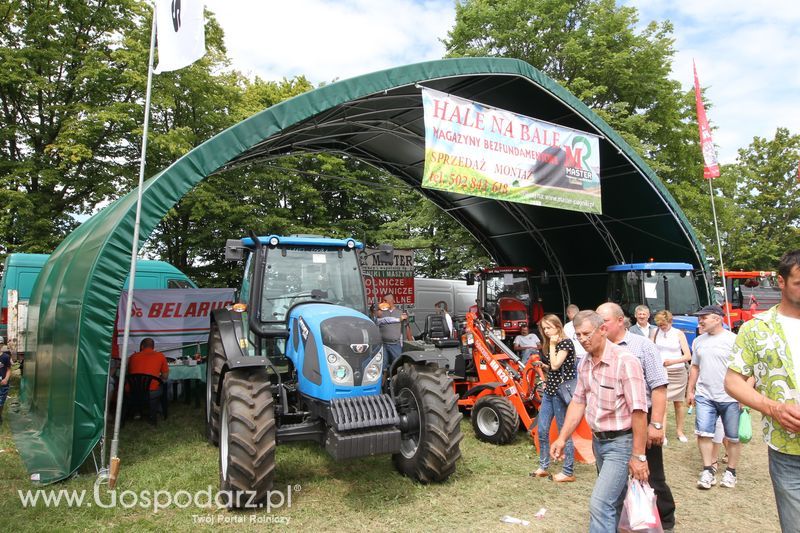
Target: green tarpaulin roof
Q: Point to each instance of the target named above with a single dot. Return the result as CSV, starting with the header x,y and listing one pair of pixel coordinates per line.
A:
x,y
377,118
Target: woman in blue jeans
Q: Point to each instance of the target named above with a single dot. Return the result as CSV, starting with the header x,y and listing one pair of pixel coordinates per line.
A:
x,y
558,360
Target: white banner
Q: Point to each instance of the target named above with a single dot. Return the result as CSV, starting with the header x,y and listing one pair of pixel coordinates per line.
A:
x,y
180,29
478,150
171,317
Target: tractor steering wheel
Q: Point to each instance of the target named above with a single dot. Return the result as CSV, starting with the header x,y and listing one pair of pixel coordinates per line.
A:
x,y
489,318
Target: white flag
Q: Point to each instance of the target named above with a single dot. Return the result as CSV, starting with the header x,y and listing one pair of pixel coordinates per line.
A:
x,y
180,28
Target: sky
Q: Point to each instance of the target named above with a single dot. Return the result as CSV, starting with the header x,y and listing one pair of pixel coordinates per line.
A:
x,y
746,52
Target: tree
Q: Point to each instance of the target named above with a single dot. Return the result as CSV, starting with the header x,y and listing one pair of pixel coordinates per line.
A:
x,y
71,78
765,194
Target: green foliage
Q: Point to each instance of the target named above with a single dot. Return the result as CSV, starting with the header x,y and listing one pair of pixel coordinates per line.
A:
x,y
69,96
764,213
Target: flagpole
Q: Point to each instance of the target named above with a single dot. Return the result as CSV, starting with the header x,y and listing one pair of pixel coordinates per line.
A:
x,y
719,249
134,253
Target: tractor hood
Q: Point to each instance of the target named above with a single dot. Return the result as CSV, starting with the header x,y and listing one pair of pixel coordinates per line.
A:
x,y
333,346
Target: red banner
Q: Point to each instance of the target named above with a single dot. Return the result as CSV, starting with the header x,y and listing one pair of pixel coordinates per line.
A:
x,y
402,288
710,164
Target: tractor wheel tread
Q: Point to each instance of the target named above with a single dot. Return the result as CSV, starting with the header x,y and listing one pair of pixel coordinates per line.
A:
x,y
216,360
438,449
251,435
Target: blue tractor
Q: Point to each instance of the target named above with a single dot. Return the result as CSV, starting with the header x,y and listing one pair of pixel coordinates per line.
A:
x,y
297,359
660,285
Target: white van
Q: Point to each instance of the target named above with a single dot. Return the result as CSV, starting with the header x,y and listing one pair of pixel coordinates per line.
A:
x,y
458,296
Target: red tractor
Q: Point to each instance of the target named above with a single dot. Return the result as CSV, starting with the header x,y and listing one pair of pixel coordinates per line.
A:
x,y
509,297
749,293
500,392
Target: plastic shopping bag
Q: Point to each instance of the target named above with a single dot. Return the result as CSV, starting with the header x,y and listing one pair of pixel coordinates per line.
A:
x,y
745,426
639,512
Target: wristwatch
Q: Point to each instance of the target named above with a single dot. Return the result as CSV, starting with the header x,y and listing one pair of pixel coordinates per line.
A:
x,y
657,425
642,458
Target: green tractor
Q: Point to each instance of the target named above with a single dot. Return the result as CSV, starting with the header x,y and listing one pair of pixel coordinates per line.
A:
x,y
298,359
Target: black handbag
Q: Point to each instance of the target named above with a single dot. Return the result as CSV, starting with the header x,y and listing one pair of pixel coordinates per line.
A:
x,y
565,390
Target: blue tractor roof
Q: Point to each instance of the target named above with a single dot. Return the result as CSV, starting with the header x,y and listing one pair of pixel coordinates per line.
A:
x,y
650,266
305,240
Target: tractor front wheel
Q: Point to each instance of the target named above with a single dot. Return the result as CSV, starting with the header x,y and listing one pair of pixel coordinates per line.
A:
x,y
429,422
495,420
246,438
214,363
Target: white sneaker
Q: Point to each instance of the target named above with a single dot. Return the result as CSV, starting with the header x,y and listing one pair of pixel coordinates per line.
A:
x,y
728,480
683,438
708,480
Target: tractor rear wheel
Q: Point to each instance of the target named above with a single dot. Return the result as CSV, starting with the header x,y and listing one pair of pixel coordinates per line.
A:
x,y
429,421
214,363
495,420
247,438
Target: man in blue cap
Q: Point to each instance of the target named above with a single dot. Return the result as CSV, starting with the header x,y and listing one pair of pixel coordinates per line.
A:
x,y
706,390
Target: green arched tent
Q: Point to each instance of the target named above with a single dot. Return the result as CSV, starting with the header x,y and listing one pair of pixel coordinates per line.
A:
x,y
378,119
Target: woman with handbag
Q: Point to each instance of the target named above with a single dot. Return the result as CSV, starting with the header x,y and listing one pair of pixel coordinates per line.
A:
x,y
558,359
674,349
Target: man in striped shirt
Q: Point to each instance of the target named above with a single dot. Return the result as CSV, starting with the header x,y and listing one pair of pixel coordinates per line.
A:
x,y
611,394
656,380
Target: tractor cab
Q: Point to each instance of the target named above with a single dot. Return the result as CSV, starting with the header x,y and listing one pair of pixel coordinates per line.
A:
x,y
307,309
670,286
509,296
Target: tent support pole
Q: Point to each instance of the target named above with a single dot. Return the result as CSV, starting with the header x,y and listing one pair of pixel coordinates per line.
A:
x,y
719,249
134,253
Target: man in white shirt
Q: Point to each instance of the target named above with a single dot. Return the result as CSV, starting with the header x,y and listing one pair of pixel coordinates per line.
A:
x,y
706,389
643,326
569,332
526,343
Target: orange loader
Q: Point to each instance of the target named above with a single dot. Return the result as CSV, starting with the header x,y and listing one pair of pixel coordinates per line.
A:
x,y
500,392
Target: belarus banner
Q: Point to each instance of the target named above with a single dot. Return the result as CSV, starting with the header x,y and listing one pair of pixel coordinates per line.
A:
x,y
180,27
710,165
171,317
477,150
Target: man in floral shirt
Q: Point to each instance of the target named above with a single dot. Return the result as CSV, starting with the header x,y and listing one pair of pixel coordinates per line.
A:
x,y
768,348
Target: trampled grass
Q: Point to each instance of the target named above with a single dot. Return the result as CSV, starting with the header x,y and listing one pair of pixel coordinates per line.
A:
x,y
367,494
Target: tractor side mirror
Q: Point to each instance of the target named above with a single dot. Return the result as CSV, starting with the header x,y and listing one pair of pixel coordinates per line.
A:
x,y
386,253
544,277
632,278
234,250
470,278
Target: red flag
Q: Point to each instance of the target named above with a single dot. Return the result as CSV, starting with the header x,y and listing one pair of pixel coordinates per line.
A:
x,y
710,165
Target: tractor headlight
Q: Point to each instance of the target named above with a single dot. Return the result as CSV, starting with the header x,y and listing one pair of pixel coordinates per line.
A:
x,y
338,368
374,369
340,373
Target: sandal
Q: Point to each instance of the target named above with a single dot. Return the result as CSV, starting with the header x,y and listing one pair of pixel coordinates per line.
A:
x,y
539,473
561,477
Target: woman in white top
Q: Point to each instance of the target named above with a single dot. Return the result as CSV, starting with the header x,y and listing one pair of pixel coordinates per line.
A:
x,y
674,349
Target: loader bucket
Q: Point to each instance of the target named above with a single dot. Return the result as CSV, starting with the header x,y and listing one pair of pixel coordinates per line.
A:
x,y
582,439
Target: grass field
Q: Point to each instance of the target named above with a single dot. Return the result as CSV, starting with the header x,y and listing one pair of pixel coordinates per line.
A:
x,y
367,494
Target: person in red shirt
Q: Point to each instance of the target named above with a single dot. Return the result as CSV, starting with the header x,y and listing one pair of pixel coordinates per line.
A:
x,y
148,361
